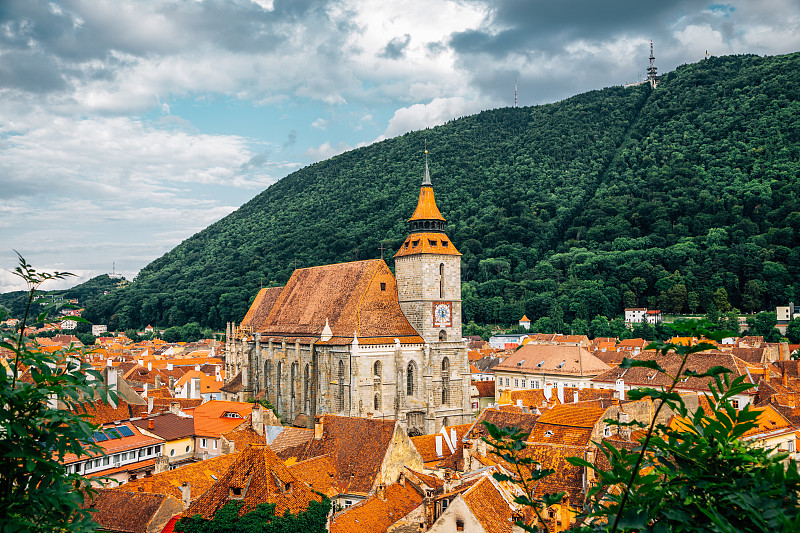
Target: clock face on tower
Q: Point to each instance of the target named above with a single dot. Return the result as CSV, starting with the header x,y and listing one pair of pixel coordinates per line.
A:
x,y
442,314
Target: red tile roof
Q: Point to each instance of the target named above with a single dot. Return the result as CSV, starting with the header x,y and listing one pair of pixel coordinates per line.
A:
x,y
349,297
357,447
427,243
131,512
210,422
199,475
260,477
375,515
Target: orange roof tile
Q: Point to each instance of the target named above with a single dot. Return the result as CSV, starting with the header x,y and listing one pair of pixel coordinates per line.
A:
x,y
354,298
427,243
375,515
489,506
357,447
112,510
260,477
260,308
200,476
426,206
426,444
320,473
210,422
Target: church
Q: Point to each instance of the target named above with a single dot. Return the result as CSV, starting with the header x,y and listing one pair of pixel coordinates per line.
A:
x,y
356,340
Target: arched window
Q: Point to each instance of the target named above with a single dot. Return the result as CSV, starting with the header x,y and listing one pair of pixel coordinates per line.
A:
x,y
293,378
377,403
305,388
410,377
443,335
376,369
340,400
279,385
445,381
268,377
441,280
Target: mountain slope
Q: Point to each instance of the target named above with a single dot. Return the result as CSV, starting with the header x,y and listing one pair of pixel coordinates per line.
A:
x,y
610,198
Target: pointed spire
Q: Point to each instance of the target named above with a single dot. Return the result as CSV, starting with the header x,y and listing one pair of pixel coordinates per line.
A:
x,y
426,180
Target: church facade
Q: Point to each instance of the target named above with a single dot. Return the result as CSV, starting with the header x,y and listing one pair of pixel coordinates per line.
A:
x,y
356,340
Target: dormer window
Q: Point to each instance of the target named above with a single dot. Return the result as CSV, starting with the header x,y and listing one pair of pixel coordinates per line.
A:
x,y
230,414
236,493
414,244
432,242
445,244
383,286
548,433
406,244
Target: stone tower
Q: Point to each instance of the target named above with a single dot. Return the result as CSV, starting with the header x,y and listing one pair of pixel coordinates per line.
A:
x,y
428,272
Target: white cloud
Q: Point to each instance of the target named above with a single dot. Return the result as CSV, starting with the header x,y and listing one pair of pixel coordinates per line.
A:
x,y
420,116
326,150
320,124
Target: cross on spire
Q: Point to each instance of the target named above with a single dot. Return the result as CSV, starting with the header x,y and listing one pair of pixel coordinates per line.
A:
x,y
381,248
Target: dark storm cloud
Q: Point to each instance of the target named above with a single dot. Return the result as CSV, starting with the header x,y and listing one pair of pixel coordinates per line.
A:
x,y
547,25
56,40
396,47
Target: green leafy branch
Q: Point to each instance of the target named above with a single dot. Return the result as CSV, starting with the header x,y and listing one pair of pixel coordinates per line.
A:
x,y
508,444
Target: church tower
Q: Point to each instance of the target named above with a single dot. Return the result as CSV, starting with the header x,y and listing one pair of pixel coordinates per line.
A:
x,y
428,272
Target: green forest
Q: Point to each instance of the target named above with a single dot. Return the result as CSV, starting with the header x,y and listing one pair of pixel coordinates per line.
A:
x,y
682,198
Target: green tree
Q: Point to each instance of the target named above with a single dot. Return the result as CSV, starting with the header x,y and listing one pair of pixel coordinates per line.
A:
x,y
172,334
262,519
190,332
696,475
36,492
793,331
763,324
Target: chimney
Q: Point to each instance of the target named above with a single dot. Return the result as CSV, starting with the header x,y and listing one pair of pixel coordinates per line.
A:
x,y
171,383
785,377
194,391
381,492
402,479
186,494
439,451
318,428
519,403
560,391
158,381
108,362
174,407
169,366
766,371
149,404
145,389
257,419
149,366
621,389
141,362
111,376
548,391
150,424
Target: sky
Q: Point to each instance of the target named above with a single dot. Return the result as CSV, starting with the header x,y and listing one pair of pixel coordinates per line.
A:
x,y
126,126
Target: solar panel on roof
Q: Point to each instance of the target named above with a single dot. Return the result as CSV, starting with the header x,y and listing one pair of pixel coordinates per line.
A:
x,y
99,436
113,434
125,431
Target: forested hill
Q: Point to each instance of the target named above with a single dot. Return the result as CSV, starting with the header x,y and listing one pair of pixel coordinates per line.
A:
x,y
612,198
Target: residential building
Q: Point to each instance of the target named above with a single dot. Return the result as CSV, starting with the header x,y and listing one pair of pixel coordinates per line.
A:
x,y
214,418
541,366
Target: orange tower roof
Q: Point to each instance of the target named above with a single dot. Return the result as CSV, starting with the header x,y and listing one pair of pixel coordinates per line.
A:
x,y
426,206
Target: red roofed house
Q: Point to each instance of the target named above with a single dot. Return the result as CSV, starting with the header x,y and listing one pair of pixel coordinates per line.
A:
x,y
356,340
127,454
214,418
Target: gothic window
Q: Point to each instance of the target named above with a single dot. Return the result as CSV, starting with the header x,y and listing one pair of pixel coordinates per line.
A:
x,y
376,368
445,381
305,387
268,377
278,379
293,380
377,403
441,280
340,399
410,377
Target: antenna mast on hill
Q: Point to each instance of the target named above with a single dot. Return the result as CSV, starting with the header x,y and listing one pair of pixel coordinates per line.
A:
x,y
515,92
652,75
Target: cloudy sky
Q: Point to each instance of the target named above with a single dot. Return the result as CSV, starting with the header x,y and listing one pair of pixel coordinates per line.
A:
x,y
126,126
